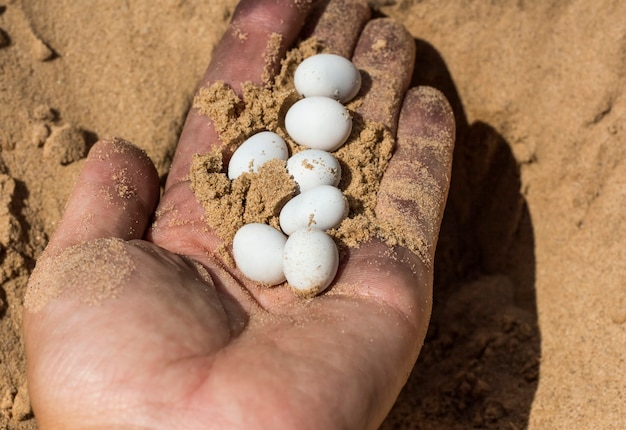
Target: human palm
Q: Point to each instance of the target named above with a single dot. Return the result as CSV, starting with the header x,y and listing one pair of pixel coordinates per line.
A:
x,y
182,340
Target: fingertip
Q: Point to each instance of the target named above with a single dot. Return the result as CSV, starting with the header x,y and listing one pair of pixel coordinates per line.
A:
x,y
114,196
338,24
385,54
127,168
426,112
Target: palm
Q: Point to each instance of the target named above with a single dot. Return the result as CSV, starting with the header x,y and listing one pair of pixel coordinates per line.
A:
x,y
190,344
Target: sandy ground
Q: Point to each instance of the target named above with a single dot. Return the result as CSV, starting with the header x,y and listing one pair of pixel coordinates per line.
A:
x,y
529,324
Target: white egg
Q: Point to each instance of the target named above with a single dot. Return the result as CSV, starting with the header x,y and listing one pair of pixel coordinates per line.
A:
x,y
320,208
328,75
318,123
314,167
310,261
258,253
255,151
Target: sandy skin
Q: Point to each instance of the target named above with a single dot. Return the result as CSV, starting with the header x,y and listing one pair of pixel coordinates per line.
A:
x,y
184,342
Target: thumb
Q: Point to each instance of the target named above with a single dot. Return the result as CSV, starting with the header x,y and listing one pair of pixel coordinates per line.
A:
x,y
115,196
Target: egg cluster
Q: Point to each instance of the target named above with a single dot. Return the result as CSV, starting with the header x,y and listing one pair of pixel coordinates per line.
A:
x,y
303,254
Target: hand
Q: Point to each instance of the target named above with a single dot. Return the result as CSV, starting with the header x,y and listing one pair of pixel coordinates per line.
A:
x,y
129,325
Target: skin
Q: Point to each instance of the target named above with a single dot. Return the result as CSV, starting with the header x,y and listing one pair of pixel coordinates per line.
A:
x,y
176,349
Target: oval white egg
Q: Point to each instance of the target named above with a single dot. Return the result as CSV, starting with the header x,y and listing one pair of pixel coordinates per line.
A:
x,y
327,75
318,123
313,167
320,208
255,151
258,252
310,261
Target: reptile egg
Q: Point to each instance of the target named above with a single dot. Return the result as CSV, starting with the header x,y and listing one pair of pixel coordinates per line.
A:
x,y
328,75
318,123
255,151
310,261
258,253
320,208
313,167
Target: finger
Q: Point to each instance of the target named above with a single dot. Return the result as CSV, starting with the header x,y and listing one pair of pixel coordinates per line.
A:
x,y
385,54
414,188
114,196
250,51
411,201
338,23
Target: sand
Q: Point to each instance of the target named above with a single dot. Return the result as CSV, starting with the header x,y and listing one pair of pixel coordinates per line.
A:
x,y
529,322
259,197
